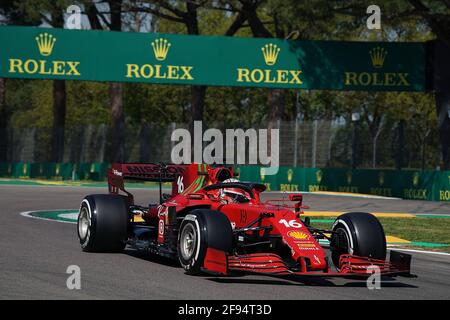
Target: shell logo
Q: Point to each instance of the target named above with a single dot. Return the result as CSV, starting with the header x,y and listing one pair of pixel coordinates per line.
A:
x,y
298,235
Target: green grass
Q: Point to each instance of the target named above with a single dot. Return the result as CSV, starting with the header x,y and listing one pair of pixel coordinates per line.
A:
x,y
419,229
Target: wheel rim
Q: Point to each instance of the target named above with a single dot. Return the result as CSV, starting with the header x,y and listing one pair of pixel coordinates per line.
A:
x,y
84,223
341,247
188,242
346,247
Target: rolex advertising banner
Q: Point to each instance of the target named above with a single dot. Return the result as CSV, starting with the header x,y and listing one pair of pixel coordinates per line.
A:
x,y
55,171
38,53
405,184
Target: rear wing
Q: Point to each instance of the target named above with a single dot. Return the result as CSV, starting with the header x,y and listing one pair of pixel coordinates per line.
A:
x,y
156,172
147,171
185,178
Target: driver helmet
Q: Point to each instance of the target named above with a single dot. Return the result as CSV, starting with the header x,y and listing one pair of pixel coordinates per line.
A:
x,y
233,194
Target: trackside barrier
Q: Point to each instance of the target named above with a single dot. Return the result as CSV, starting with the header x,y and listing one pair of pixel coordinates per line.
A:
x,y
55,171
406,184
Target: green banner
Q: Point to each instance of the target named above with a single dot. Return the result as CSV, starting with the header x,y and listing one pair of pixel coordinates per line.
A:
x,y
55,171
39,53
405,184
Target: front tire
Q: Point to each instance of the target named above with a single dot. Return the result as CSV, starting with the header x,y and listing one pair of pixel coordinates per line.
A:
x,y
202,229
357,233
103,223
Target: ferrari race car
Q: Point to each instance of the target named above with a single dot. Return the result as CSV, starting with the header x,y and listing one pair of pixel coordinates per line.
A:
x,y
214,223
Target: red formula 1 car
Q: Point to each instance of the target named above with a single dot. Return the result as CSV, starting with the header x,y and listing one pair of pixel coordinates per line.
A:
x,y
212,222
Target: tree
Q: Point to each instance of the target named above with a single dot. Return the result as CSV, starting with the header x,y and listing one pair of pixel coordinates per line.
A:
x,y
4,116
436,14
374,117
51,13
187,13
248,11
11,14
409,139
59,101
98,20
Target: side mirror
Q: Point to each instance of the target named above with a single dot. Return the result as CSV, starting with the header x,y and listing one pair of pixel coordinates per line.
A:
x,y
297,198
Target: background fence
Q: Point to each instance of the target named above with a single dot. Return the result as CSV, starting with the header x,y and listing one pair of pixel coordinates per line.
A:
x,y
320,143
406,184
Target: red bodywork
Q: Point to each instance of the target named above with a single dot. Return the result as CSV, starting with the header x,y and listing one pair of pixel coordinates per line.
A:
x,y
281,219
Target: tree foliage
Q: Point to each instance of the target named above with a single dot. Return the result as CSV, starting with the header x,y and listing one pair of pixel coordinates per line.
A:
x,y
403,121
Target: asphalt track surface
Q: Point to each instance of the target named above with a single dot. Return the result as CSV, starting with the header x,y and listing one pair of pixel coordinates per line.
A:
x,y
35,254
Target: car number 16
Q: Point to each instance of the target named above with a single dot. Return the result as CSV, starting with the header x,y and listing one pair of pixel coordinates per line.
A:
x,y
291,223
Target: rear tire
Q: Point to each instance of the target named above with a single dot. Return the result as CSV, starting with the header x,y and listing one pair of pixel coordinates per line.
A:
x,y
360,234
202,229
103,223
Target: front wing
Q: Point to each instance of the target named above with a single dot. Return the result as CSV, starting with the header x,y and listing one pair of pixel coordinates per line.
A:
x,y
272,264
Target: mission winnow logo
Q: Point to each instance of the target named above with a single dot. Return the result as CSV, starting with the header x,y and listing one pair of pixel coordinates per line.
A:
x,y
45,42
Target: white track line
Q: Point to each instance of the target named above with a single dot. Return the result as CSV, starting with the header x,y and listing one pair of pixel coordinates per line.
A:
x,y
432,214
422,251
27,214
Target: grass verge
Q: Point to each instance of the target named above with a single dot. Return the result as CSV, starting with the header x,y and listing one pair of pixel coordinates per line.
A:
x,y
418,230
